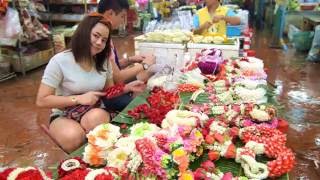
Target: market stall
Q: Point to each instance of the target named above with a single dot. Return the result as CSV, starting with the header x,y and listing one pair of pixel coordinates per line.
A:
x,y
219,126
164,45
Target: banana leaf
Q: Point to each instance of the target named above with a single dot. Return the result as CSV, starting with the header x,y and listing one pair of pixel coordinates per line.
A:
x,y
224,165
123,117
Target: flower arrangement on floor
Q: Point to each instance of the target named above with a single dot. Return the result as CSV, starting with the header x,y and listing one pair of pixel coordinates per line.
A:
x,y
226,118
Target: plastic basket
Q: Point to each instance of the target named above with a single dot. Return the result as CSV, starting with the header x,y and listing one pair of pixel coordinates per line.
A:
x,y
233,31
302,40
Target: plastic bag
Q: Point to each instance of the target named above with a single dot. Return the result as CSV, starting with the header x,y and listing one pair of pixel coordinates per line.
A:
x,y
302,41
292,31
314,53
186,19
10,28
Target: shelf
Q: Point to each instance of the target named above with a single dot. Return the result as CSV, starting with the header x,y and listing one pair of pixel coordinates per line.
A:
x,y
31,61
7,76
72,18
71,2
36,41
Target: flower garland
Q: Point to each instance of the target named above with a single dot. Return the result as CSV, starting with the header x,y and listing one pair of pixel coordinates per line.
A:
x,y
274,142
114,91
24,173
160,102
183,117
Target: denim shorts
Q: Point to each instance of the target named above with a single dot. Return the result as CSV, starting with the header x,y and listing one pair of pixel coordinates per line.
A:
x,y
55,115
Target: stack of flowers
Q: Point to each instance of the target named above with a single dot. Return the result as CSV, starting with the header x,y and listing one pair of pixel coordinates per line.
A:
x,y
235,102
170,155
251,68
160,102
148,150
190,140
183,117
100,141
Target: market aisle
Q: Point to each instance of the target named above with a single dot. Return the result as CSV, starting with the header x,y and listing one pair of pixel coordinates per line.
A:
x,y
23,143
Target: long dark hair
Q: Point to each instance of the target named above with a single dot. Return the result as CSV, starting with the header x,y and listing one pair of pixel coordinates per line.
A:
x,y
81,42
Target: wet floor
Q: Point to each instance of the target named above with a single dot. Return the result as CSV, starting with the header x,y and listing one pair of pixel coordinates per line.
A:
x,y
22,142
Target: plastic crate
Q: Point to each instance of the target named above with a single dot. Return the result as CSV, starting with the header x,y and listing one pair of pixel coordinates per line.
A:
x,y
30,61
233,31
168,50
302,40
228,51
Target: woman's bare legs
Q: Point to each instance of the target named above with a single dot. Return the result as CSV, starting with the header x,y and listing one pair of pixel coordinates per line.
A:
x,y
68,133
93,118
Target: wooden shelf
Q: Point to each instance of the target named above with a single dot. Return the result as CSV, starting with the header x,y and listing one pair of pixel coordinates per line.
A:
x,y
69,2
58,17
72,3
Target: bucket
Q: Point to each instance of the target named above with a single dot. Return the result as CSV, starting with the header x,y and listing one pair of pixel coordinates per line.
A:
x,y
4,67
302,41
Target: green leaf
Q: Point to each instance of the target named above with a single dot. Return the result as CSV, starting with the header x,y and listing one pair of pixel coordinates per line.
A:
x,y
123,117
197,162
229,165
186,96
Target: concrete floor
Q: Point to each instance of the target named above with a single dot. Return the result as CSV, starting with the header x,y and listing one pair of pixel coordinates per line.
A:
x,y
22,142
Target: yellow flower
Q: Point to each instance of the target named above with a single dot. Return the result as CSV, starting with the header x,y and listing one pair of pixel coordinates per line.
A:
x,y
198,134
179,152
186,176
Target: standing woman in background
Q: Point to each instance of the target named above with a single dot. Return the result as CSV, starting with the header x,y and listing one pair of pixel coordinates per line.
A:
x,y
73,82
213,19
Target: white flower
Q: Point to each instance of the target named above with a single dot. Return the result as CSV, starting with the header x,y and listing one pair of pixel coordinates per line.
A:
x,y
117,158
219,83
193,77
135,161
216,176
217,110
94,173
251,84
183,117
260,115
156,81
70,164
126,143
225,147
230,114
258,148
15,173
226,97
94,155
221,148
143,129
104,135
215,127
253,169
254,64
248,95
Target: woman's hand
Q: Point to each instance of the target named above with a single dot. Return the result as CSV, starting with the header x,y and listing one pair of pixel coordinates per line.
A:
x,y
89,98
218,18
206,25
149,59
136,59
136,86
